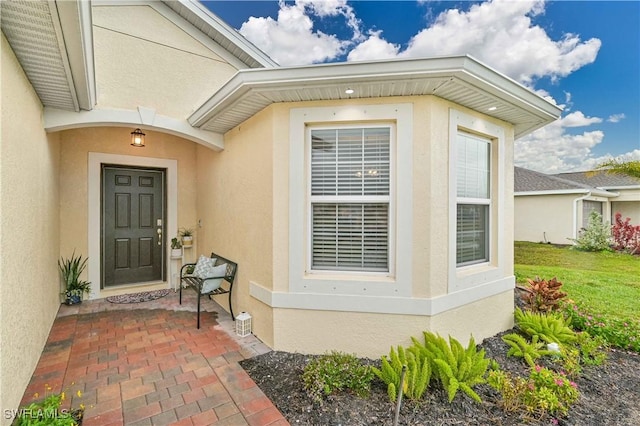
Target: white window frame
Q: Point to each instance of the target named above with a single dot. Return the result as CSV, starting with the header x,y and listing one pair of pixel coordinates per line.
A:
x,y
467,276
358,199
461,200
309,286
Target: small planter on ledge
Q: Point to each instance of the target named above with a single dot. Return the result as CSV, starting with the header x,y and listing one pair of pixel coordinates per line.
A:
x,y
187,237
176,248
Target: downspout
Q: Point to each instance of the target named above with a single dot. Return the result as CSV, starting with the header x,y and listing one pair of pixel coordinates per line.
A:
x,y
575,213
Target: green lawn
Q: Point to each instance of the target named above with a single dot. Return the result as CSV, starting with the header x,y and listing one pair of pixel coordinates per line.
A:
x,y
608,284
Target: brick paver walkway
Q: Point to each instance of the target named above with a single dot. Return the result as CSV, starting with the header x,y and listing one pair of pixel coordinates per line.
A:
x,y
147,364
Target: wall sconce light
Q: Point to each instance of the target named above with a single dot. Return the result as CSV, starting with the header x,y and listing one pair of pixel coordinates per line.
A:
x,y
137,138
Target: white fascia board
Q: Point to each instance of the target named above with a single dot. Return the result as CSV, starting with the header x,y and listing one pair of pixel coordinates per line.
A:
x,y
503,86
566,192
618,188
144,118
463,67
64,56
229,33
77,29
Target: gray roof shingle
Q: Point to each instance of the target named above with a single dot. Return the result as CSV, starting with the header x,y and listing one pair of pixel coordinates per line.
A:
x,y
529,181
600,179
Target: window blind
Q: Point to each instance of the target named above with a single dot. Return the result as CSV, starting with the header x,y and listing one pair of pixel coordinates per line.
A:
x,y
350,187
473,172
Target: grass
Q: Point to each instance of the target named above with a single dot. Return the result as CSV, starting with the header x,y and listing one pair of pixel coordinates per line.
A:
x,y
604,285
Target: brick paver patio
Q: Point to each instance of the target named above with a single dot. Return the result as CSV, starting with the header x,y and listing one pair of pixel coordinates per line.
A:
x,y
147,364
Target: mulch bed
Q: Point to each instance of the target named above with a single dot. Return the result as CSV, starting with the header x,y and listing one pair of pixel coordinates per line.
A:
x,y
609,395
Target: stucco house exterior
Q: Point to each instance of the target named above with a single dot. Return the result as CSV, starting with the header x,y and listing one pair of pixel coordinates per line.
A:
x,y
363,202
553,208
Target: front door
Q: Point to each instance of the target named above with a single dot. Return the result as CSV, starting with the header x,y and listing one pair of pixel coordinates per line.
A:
x,y
133,217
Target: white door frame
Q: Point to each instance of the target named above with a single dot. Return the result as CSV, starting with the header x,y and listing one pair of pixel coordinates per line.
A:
x,y
96,159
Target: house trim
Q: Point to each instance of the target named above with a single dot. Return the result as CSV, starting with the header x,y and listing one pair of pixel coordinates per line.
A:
x,y
566,192
466,277
376,304
95,160
400,284
144,118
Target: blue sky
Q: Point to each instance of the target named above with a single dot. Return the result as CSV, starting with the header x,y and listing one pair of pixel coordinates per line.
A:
x,y
582,55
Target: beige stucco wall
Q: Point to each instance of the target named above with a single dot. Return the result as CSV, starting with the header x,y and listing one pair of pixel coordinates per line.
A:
x,y
545,218
370,335
134,61
75,146
235,199
29,232
243,202
628,204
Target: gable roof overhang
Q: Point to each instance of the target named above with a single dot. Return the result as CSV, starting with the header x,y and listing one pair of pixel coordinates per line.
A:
x,y
53,42
459,79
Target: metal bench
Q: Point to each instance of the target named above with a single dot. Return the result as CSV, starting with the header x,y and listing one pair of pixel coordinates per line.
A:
x,y
197,283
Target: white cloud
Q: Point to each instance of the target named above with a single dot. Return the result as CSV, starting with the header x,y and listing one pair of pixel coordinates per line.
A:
x,y
616,118
501,33
553,150
374,47
578,119
292,39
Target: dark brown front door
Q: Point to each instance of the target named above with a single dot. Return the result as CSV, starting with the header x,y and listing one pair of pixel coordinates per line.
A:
x,y
133,206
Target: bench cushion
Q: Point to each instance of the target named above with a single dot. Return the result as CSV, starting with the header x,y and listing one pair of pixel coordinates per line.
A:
x,y
205,267
213,283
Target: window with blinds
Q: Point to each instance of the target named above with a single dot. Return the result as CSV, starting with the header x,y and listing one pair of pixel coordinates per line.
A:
x,y
350,195
473,162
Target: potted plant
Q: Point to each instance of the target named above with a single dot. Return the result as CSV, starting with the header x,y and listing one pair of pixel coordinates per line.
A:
x,y
70,270
187,236
176,247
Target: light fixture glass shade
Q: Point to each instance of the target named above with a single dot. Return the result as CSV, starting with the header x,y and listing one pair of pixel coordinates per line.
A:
x,y
137,138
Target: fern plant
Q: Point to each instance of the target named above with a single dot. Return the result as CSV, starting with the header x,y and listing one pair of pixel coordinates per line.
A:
x,y
520,347
417,375
550,327
456,367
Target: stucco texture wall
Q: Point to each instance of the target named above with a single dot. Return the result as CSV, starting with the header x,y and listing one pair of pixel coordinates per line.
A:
x,y
627,204
133,61
29,231
544,218
235,206
75,146
243,202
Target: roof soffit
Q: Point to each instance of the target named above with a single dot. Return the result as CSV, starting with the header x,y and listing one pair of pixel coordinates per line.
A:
x,y
52,41
462,80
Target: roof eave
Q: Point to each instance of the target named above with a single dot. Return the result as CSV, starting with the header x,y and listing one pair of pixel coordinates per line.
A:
x,y
593,192
198,9
76,26
463,68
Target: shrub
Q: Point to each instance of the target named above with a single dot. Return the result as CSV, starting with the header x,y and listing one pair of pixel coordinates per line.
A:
x,y
543,392
619,332
542,295
626,237
49,411
550,327
520,347
417,374
596,236
454,366
336,371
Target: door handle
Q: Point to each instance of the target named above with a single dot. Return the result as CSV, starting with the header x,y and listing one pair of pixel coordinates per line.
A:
x,y
159,230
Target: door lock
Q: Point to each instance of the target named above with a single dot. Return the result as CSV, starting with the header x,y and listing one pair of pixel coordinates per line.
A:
x,y
159,230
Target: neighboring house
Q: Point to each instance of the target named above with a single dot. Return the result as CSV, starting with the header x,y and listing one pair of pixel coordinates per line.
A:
x,y
358,217
553,208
